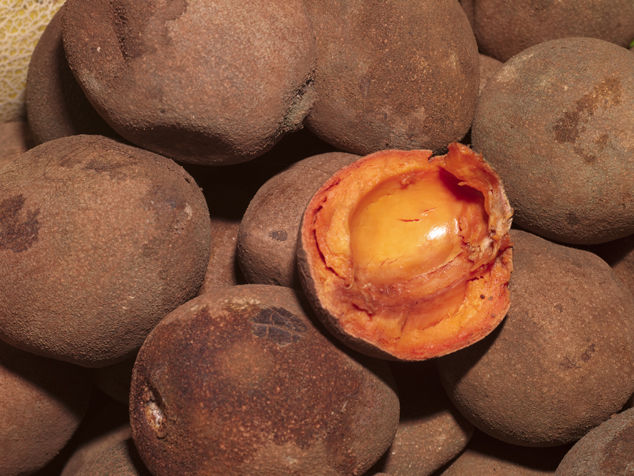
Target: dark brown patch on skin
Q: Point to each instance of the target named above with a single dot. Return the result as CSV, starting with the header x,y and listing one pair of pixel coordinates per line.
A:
x,y
572,219
617,459
568,364
278,325
17,234
587,157
587,355
220,392
604,95
279,235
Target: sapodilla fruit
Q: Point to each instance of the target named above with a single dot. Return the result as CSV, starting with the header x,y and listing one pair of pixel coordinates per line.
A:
x,y
407,256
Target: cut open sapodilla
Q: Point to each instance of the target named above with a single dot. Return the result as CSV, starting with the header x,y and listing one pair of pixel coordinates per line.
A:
x,y
407,256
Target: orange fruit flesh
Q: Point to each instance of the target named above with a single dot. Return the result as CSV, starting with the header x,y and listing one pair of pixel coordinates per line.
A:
x,y
411,254
409,226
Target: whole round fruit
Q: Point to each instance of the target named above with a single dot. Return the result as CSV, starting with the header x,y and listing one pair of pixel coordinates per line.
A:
x,y
556,122
239,381
98,242
561,363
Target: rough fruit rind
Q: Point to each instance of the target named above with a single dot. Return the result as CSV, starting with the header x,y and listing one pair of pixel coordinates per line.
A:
x,y
328,272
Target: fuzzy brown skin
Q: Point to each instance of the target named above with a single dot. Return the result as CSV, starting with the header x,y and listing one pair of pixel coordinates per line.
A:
x,y
431,432
605,451
556,123
505,29
121,459
240,382
486,456
15,140
222,269
42,402
55,104
488,67
567,337
267,238
202,82
619,254
97,433
98,242
393,74
114,380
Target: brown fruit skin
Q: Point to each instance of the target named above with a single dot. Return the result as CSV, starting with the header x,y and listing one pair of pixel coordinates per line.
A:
x,y
267,238
120,459
561,363
486,456
504,29
42,402
604,451
488,67
99,430
230,80
15,140
392,74
98,242
239,382
431,432
55,104
556,123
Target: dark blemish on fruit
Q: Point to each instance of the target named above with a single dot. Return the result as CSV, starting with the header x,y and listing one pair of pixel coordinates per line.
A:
x,y
559,307
18,231
615,454
587,355
602,141
567,128
279,235
568,364
604,95
587,157
482,296
572,219
278,325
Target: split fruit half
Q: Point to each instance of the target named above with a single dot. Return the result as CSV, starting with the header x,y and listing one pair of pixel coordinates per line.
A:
x,y
407,256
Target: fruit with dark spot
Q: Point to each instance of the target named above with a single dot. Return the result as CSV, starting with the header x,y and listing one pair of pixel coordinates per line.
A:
x,y
407,256
561,363
604,451
393,74
98,242
239,381
201,82
556,122
267,238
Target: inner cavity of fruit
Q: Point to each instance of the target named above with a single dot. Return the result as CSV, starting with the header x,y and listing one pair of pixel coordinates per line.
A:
x,y
398,248
409,226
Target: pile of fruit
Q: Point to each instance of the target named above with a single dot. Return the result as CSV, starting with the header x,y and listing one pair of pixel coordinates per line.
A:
x,y
317,238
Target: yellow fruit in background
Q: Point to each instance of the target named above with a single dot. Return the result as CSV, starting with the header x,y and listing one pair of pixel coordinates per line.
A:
x,y
22,22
